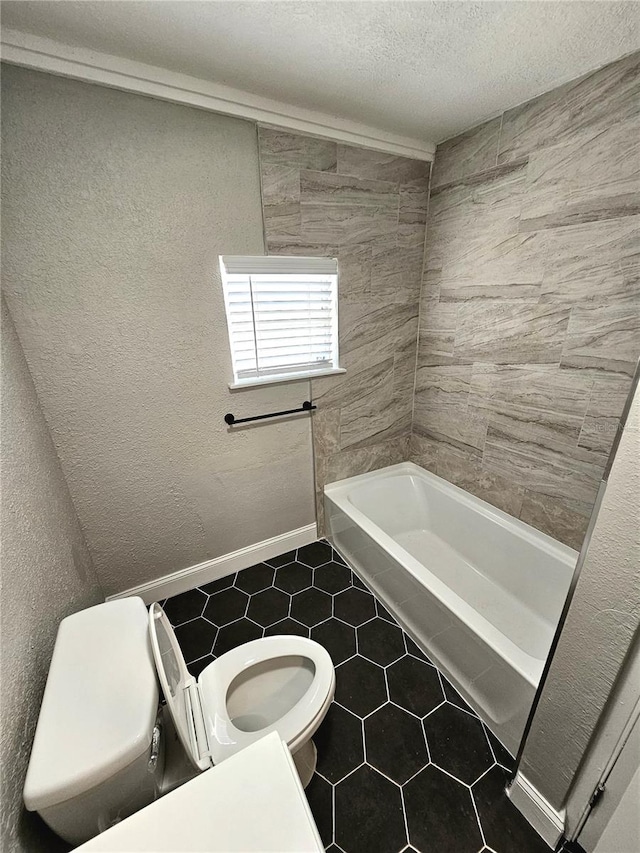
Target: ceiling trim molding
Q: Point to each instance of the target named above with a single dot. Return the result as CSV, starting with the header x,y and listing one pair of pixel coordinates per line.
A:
x,y
103,69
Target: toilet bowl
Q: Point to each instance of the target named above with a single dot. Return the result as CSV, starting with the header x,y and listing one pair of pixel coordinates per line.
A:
x,y
104,746
282,683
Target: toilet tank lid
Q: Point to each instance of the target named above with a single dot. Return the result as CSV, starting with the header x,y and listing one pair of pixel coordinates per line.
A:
x,y
99,705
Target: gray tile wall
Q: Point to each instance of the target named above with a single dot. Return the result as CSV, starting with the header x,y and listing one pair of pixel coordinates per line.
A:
x,y
530,311
369,210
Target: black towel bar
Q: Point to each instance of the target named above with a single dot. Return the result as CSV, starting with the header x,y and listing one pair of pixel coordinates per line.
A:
x,y
231,420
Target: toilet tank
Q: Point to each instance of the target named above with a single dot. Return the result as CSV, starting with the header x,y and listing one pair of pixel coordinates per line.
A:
x,y
95,759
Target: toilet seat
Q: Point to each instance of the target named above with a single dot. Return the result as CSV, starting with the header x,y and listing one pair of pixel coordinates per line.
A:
x,y
296,726
200,708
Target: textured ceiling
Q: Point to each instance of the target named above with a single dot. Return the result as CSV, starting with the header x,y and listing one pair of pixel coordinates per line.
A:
x,y
422,69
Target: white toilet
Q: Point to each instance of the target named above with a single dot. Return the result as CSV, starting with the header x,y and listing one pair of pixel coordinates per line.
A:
x,y
103,747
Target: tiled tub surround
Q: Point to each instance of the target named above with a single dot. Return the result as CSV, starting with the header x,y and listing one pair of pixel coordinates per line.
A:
x,y
479,590
403,762
322,198
530,312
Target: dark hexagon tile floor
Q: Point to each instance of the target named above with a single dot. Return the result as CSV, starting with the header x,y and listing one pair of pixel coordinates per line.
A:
x,y
403,763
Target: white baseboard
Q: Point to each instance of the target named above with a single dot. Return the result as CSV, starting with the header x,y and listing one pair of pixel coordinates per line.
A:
x,y
547,822
211,570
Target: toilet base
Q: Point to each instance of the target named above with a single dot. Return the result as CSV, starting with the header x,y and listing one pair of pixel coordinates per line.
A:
x,y
305,760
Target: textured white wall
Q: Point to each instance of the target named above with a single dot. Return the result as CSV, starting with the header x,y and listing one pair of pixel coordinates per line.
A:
x,y
46,575
116,208
598,631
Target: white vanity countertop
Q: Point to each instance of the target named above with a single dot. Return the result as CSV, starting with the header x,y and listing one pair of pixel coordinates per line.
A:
x,y
251,803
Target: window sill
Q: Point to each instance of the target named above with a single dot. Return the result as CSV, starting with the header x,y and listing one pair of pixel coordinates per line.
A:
x,y
278,380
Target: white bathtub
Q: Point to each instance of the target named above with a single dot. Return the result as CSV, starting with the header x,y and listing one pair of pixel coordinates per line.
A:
x,y
479,591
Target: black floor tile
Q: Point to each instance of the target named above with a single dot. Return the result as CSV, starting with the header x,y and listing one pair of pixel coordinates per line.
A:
x,y
355,581
572,847
369,814
315,554
320,796
293,578
360,686
242,631
338,558
414,649
380,641
220,584
226,606
394,743
196,638
383,613
332,578
502,754
361,796
282,559
505,828
354,606
414,685
184,607
454,697
311,606
440,814
269,606
196,666
338,639
339,743
287,626
256,578
457,743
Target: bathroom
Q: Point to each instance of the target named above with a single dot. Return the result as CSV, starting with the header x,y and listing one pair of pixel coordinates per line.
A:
x,y
472,172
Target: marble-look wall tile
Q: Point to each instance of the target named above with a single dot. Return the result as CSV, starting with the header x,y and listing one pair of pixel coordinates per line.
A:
x,y
282,222
404,371
361,460
470,152
396,273
280,184
561,518
464,468
296,151
299,248
326,429
590,103
380,166
587,261
542,469
476,243
345,224
424,451
598,433
590,177
604,336
330,188
530,307
369,210
537,388
444,408
413,203
369,333
510,333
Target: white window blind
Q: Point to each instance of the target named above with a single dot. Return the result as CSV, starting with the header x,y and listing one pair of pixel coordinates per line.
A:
x,y
282,315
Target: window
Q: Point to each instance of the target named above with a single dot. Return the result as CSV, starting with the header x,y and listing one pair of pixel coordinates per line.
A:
x,y
282,314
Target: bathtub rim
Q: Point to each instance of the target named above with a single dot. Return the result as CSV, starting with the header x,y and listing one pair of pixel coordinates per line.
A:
x,y
551,546
526,665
